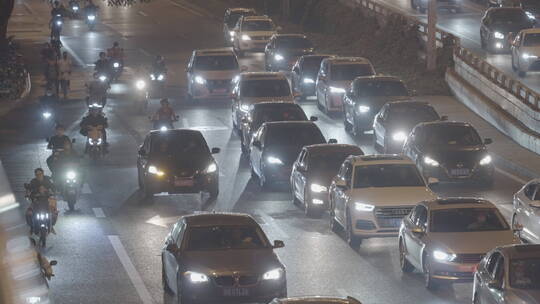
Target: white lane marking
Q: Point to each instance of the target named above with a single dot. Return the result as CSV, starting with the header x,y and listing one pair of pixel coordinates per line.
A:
x,y
162,221
342,292
86,189
144,52
132,273
186,8
73,54
272,222
98,212
511,176
184,122
507,207
143,14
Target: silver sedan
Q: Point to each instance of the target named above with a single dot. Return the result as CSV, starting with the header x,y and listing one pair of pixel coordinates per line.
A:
x,y
526,218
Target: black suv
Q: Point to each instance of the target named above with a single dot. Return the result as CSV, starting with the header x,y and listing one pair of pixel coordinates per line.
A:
x,y
177,161
450,151
304,74
231,18
499,23
283,50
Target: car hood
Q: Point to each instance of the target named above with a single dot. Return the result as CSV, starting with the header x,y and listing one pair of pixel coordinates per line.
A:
x,y
252,100
218,75
376,102
531,50
468,157
259,33
509,27
295,52
392,196
181,166
229,261
524,296
470,242
287,154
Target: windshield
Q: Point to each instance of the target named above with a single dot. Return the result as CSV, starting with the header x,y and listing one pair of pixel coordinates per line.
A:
x,y
467,220
233,18
415,114
255,26
226,237
293,43
266,114
525,273
179,145
531,40
330,161
381,88
509,16
530,5
294,135
342,72
389,175
265,88
215,63
311,65
447,135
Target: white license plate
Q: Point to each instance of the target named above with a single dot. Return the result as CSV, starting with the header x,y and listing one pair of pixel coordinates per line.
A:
x,y
183,182
220,91
235,292
460,172
468,268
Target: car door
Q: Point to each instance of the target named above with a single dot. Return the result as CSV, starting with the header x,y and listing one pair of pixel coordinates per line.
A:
x,y
495,274
321,79
379,125
522,201
170,256
533,220
296,76
342,193
256,152
236,95
484,273
302,175
516,45
416,240
296,174
142,158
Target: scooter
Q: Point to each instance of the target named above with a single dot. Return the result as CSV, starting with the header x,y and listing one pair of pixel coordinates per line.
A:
x,y
94,142
41,220
91,17
116,69
141,96
71,186
56,26
75,8
163,124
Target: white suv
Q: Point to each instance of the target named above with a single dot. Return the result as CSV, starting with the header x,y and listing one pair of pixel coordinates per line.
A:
x,y
526,51
252,33
371,194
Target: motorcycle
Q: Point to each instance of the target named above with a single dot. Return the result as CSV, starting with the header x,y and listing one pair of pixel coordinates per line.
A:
x,y
116,69
47,113
94,142
75,8
158,79
70,187
141,95
163,124
41,219
56,26
91,17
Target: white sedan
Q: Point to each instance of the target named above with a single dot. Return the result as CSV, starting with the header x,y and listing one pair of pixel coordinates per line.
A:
x,y
526,51
526,216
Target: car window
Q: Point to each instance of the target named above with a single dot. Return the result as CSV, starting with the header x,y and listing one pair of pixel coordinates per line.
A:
x,y
343,72
449,135
421,220
404,113
525,273
387,175
301,157
330,161
348,173
179,145
223,237
180,235
175,231
536,196
216,63
530,190
509,16
293,43
532,39
233,18
467,220
499,270
311,65
380,88
266,88
282,113
413,216
492,262
294,135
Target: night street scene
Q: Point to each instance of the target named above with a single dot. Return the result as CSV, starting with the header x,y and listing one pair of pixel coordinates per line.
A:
x,y
270,151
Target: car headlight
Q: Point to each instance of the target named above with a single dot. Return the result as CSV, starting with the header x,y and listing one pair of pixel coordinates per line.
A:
x,y
200,80
443,256
140,84
246,37
278,57
91,17
337,90
71,175
161,77
58,22
399,136
363,207
430,161
232,33
102,78
498,35
196,277
485,161
94,142
318,188
244,107
274,160
154,170
274,274
528,56
530,15
363,109
46,114
308,80
163,128
152,76
116,65
212,168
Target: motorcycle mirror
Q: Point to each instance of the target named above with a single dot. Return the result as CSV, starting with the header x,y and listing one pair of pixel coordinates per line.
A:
x,y
53,262
73,140
215,150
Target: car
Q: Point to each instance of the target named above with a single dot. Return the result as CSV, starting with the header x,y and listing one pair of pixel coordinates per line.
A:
x,y
371,194
531,7
526,212
283,50
395,121
254,87
276,145
304,72
451,152
525,51
334,76
313,171
316,300
508,274
366,96
452,5
260,113
221,258
497,24
177,161
231,18
445,239
252,33
210,73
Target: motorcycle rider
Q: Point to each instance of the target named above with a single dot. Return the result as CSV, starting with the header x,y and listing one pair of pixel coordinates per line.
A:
x,y
95,119
97,90
56,143
159,64
42,199
57,9
116,52
102,65
39,180
164,114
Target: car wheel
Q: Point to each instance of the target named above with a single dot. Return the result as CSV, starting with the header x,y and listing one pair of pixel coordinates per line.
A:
x,y
164,281
429,281
355,129
295,200
404,264
147,194
482,42
476,299
139,180
243,146
319,105
346,124
353,240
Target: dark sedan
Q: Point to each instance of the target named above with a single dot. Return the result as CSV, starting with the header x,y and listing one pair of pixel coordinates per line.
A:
x,y
498,23
177,161
283,50
221,258
395,121
450,151
304,74
260,113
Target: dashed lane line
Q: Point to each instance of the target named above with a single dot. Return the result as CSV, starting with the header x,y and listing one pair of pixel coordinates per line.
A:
x,y
511,176
86,189
186,8
143,14
98,212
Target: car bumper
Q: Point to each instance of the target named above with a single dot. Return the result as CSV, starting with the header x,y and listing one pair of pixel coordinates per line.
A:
x,y
317,201
458,175
253,45
454,272
381,222
204,92
334,102
277,173
175,186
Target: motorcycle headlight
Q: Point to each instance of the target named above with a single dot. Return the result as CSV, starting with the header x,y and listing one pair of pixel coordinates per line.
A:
x,y
318,188
102,78
47,115
163,128
485,161
430,161
116,65
244,107
443,256
75,8
363,109
71,175
530,15
274,274
498,35
337,90
161,77
140,84
91,17
528,56
196,277
212,168
246,37
363,207
278,57
200,80
399,136
153,76
154,170
232,33
308,80
58,22
274,160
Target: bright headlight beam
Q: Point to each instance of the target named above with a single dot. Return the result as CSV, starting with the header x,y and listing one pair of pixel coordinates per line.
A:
x,y
200,80
486,160
308,80
274,160
140,84
498,35
318,188
528,56
71,175
154,170
196,277
91,17
363,207
337,90
399,136
443,256
430,161
363,109
246,37
273,274
278,57
212,168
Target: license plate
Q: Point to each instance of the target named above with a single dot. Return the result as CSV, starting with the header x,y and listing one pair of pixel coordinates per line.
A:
x,y
467,268
236,292
460,172
183,182
220,91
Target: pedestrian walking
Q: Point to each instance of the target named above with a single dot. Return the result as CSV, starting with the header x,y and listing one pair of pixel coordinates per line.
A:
x,y
64,69
47,57
53,74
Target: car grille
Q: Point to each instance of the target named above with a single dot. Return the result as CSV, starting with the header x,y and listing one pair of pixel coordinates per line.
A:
x,y
460,172
365,225
390,217
219,84
229,281
470,258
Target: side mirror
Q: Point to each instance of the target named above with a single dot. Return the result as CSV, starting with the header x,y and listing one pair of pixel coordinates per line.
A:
x,y
278,244
418,230
172,247
432,181
142,152
444,118
332,141
53,263
494,284
313,118
341,184
257,144
215,150
244,68
488,141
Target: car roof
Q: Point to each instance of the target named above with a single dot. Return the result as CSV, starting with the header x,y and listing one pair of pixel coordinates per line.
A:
x,y
444,123
269,104
256,18
226,51
379,159
218,218
290,35
262,75
409,102
531,31
240,10
458,202
377,77
521,251
173,131
321,299
348,60
318,148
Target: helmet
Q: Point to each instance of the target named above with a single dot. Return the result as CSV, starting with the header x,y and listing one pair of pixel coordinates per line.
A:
x,y
115,44
164,101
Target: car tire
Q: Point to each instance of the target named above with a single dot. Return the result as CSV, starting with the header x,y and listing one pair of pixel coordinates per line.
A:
x,y
312,213
404,264
243,146
334,225
295,200
213,191
430,282
139,181
164,282
253,173
146,193
482,42
319,105
355,129
353,240
346,124
476,299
